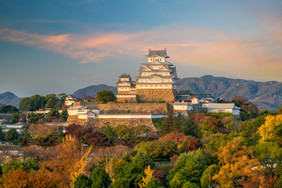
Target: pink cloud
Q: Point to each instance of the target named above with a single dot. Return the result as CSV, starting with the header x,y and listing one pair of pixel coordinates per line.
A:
x,y
198,47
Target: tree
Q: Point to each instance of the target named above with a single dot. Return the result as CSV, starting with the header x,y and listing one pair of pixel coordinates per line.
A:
x,y
100,178
54,113
15,118
25,104
271,130
2,135
64,115
8,109
123,132
105,96
37,102
82,181
62,97
171,123
109,132
190,127
12,135
158,149
189,144
189,167
33,118
279,111
51,103
236,163
206,179
154,183
269,154
148,177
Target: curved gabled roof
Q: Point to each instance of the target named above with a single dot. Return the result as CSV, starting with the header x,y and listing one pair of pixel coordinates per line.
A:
x,y
161,53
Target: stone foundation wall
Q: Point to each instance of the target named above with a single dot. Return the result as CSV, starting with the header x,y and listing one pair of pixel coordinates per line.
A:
x,y
126,122
74,119
123,99
152,108
167,95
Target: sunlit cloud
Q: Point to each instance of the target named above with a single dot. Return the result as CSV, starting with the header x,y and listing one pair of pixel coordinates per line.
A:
x,y
191,46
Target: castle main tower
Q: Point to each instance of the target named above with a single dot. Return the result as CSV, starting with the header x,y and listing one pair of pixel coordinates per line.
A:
x,y
157,78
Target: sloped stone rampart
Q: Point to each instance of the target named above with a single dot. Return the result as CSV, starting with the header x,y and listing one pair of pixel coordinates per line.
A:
x,y
152,108
74,119
167,95
126,122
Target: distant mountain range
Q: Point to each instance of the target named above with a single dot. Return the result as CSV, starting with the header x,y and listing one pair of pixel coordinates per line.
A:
x,y
266,95
92,90
10,99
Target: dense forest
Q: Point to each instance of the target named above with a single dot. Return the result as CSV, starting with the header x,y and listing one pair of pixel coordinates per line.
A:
x,y
205,150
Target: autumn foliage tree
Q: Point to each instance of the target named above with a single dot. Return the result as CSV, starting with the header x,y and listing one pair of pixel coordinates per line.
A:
x,y
236,162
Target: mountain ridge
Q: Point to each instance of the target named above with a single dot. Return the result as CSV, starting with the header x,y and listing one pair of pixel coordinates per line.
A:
x,y
9,98
266,95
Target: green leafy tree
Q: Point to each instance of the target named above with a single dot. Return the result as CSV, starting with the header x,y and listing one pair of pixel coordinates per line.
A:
x,y
171,123
109,132
8,109
190,127
123,132
120,183
82,181
62,97
53,113
158,149
269,154
2,135
248,109
64,115
37,102
12,135
33,118
25,104
142,160
28,165
206,179
154,183
189,167
100,179
15,118
105,96
51,103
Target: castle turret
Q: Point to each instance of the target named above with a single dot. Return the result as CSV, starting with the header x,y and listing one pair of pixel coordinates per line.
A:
x,y
157,78
126,89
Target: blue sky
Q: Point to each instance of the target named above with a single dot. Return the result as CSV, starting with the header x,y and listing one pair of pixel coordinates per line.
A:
x,y
59,46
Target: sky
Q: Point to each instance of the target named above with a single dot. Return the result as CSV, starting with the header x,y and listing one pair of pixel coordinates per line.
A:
x,y
58,46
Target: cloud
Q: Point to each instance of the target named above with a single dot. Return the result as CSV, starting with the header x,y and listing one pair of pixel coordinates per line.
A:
x,y
198,47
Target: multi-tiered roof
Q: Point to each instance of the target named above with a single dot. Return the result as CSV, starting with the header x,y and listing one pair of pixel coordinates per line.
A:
x,y
156,72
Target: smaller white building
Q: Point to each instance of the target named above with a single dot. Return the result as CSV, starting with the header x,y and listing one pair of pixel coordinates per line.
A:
x,y
70,100
84,112
184,106
222,107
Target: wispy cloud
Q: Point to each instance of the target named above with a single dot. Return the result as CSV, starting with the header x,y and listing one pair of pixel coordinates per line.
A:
x,y
204,48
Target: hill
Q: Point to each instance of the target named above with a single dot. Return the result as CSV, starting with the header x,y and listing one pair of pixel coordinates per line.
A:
x,y
92,90
10,99
266,95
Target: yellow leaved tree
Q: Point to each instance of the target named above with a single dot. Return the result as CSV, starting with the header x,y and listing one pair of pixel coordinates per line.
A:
x,y
272,128
148,176
237,163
